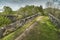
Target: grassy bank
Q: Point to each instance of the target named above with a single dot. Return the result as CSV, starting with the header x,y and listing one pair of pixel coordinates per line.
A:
x,y
45,30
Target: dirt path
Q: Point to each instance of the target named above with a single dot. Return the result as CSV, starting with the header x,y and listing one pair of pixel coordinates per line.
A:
x,y
26,32
21,37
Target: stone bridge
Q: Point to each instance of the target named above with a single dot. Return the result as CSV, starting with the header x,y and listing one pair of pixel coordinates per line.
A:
x,y
14,26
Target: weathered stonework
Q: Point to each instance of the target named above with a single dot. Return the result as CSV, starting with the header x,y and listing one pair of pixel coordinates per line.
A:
x,y
55,20
14,26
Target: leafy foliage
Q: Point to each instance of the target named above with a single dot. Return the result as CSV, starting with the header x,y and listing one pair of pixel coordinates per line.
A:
x,y
7,10
53,11
30,10
4,21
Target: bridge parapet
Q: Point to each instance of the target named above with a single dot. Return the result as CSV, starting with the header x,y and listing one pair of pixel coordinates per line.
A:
x,y
55,20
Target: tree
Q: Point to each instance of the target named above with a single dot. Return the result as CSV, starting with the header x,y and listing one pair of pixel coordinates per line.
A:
x,y
49,4
41,9
7,10
59,5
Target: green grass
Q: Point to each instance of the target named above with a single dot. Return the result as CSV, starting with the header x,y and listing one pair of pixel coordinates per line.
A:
x,y
13,35
45,30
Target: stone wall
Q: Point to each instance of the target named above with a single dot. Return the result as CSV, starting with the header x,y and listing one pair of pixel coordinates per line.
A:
x,y
55,20
14,26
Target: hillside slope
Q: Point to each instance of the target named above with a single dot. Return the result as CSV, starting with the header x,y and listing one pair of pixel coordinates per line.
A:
x,y
45,30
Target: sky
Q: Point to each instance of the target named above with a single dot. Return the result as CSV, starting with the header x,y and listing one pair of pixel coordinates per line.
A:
x,y
16,4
